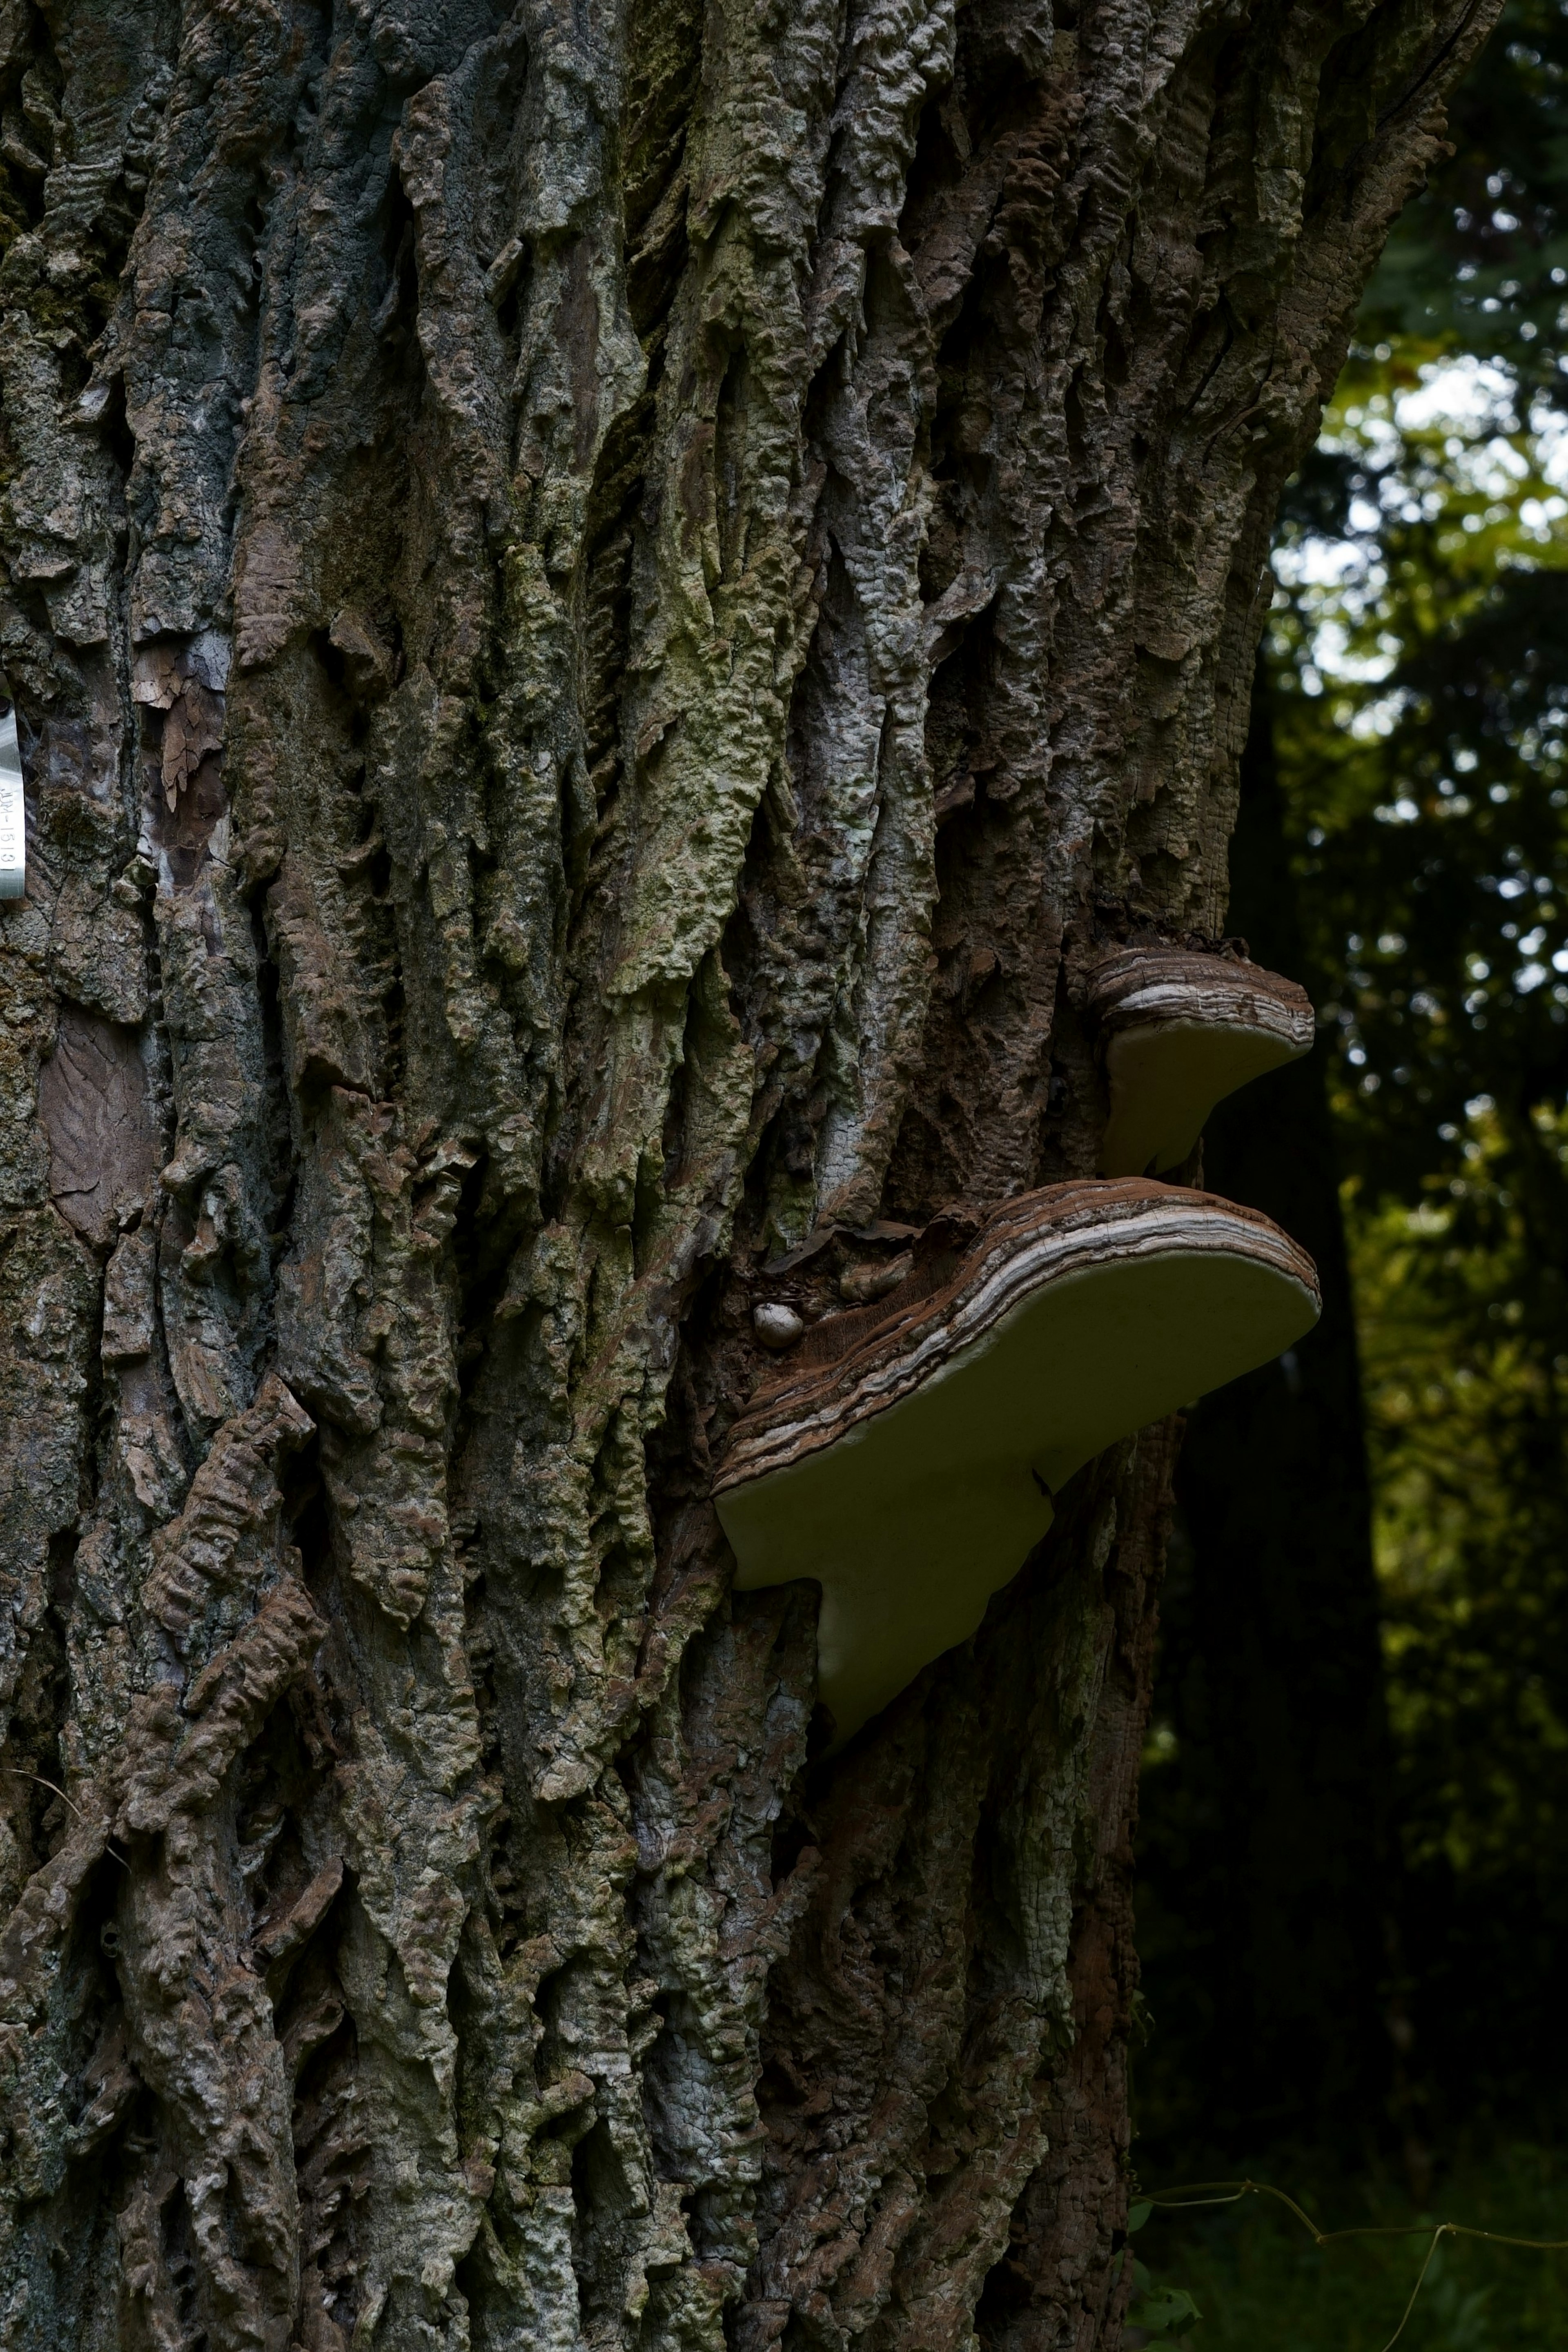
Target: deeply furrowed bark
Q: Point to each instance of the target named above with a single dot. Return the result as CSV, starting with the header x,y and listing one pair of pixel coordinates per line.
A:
x,y
607,610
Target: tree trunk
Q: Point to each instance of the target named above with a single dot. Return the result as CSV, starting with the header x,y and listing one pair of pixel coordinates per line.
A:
x,y
608,612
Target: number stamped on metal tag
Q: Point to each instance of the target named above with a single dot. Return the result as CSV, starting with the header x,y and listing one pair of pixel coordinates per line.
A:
x,y
13,814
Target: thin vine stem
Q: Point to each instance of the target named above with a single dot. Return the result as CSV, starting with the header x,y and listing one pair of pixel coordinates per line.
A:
x,y
1193,2196
22,1773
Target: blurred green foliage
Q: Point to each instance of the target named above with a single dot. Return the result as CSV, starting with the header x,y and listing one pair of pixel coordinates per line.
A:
x,y
1479,257
1419,650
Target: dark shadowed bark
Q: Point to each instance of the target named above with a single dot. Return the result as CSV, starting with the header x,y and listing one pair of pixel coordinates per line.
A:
x,y
1268,1891
609,609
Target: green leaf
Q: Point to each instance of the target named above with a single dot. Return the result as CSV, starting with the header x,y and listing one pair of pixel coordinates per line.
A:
x,y
1164,2308
1136,2217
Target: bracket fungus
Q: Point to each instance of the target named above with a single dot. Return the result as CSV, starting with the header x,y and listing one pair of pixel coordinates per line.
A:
x,y
1177,1032
908,1459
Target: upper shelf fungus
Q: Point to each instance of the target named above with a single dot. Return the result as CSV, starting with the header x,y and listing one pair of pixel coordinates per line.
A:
x,y
908,1458
1177,1032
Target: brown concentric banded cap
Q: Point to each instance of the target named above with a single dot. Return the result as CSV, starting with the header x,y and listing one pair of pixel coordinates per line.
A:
x,y
1152,983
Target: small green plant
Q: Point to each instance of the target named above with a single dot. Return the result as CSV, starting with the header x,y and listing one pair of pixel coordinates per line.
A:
x,y
1157,2314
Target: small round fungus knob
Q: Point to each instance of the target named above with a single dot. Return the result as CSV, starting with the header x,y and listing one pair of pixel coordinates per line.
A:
x,y
776,1326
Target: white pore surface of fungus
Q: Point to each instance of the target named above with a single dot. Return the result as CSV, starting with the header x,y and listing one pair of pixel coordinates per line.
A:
x,y
1166,1079
913,1478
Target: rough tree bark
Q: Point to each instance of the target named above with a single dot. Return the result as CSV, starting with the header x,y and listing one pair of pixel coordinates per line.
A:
x,y
608,608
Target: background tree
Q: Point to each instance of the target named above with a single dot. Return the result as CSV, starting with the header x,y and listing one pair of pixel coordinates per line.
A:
x,y
1410,768
1265,1904
607,613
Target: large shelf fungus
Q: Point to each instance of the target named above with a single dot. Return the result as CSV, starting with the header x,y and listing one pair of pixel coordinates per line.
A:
x,y
908,1459
1177,1032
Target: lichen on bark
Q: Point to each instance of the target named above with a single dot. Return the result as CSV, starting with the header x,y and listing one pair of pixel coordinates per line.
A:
x,y
608,610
